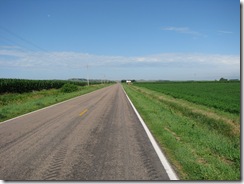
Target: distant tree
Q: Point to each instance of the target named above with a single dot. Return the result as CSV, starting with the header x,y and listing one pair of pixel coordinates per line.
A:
x,y
222,79
123,81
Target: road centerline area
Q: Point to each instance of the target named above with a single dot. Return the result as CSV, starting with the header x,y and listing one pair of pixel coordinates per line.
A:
x,y
83,112
112,146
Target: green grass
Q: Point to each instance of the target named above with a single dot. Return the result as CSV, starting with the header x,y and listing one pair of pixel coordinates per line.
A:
x,y
201,143
15,104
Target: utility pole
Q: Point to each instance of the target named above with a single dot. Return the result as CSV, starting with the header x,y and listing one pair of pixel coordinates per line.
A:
x,y
87,76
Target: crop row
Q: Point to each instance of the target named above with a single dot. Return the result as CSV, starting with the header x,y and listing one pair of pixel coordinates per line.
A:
x,y
24,85
222,96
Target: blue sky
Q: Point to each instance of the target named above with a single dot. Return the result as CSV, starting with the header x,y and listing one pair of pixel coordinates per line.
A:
x,y
120,39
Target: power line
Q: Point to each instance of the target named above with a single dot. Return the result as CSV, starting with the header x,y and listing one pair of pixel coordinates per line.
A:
x,y
22,39
87,76
34,45
11,42
30,43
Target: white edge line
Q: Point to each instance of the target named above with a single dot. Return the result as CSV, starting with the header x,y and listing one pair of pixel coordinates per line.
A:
x,y
172,175
47,107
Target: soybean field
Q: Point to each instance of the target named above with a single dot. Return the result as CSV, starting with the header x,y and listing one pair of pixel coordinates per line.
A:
x,y
220,95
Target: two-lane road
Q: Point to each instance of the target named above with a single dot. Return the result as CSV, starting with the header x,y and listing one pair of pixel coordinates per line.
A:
x,y
96,136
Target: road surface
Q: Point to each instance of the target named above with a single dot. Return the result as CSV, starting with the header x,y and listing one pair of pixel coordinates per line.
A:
x,y
96,136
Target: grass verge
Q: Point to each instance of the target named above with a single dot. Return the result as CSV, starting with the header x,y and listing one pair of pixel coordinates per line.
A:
x,y
15,104
201,143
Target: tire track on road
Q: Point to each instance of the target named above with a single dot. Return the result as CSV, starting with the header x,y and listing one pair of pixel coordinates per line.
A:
x,y
56,165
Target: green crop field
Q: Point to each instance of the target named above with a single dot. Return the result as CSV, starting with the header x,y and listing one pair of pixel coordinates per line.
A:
x,y
221,95
197,125
25,85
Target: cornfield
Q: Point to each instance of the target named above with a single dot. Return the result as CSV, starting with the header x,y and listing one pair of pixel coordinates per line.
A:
x,y
25,85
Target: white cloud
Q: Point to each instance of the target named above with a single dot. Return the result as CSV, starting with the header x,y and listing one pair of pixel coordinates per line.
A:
x,y
183,30
70,61
225,32
76,59
191,58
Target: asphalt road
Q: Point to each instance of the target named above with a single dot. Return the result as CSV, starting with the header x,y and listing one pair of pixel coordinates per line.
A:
x,y
96,136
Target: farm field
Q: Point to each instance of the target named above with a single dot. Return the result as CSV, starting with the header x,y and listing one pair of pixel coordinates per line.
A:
x,y
196,124
219,95
19,96
26,85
